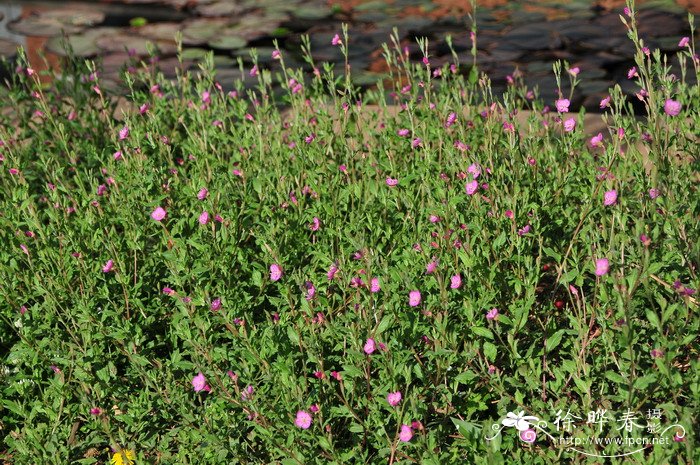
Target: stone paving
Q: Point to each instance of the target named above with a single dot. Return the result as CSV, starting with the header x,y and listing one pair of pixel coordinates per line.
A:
x,y
514,38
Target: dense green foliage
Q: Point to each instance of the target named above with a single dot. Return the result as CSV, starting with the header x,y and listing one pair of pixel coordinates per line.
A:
x,y
110,312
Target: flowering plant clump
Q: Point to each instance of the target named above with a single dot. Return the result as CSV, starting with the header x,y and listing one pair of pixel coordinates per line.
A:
x,y
285,268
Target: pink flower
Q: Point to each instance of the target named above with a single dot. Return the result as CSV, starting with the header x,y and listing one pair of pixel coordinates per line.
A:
x,y
406,433
394,398
644,239
117,155
656,353
332,271
574,71
369,346
632,72
158,214
108,266
310,290
168,291
95,411
247,393
403,132
374,285
199,383
303,420
451,118
562,105
203,218
416,142
315,224
684,42
215,304
124,133
654,193
275,272
391,182
672,107
597,140
431,267
336,40
605,103
492,314
602,265
529,435
414,298
202,194
569,124
276,55
456,281
610,197
471,187
474,170
573,290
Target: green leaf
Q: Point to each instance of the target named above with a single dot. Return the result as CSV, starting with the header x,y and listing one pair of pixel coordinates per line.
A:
x,y
356,428
643,382
483,332
615,377
554,340
490,351
584,386
473,75
569,276
468,430
257,278
293,336
385,323
351,371
466,377
654,319
551,253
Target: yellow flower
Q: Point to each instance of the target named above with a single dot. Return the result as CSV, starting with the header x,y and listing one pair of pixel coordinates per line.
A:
x,y
123,457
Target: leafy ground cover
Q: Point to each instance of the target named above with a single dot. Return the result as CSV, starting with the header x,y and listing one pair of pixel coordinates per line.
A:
x,y
409,275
